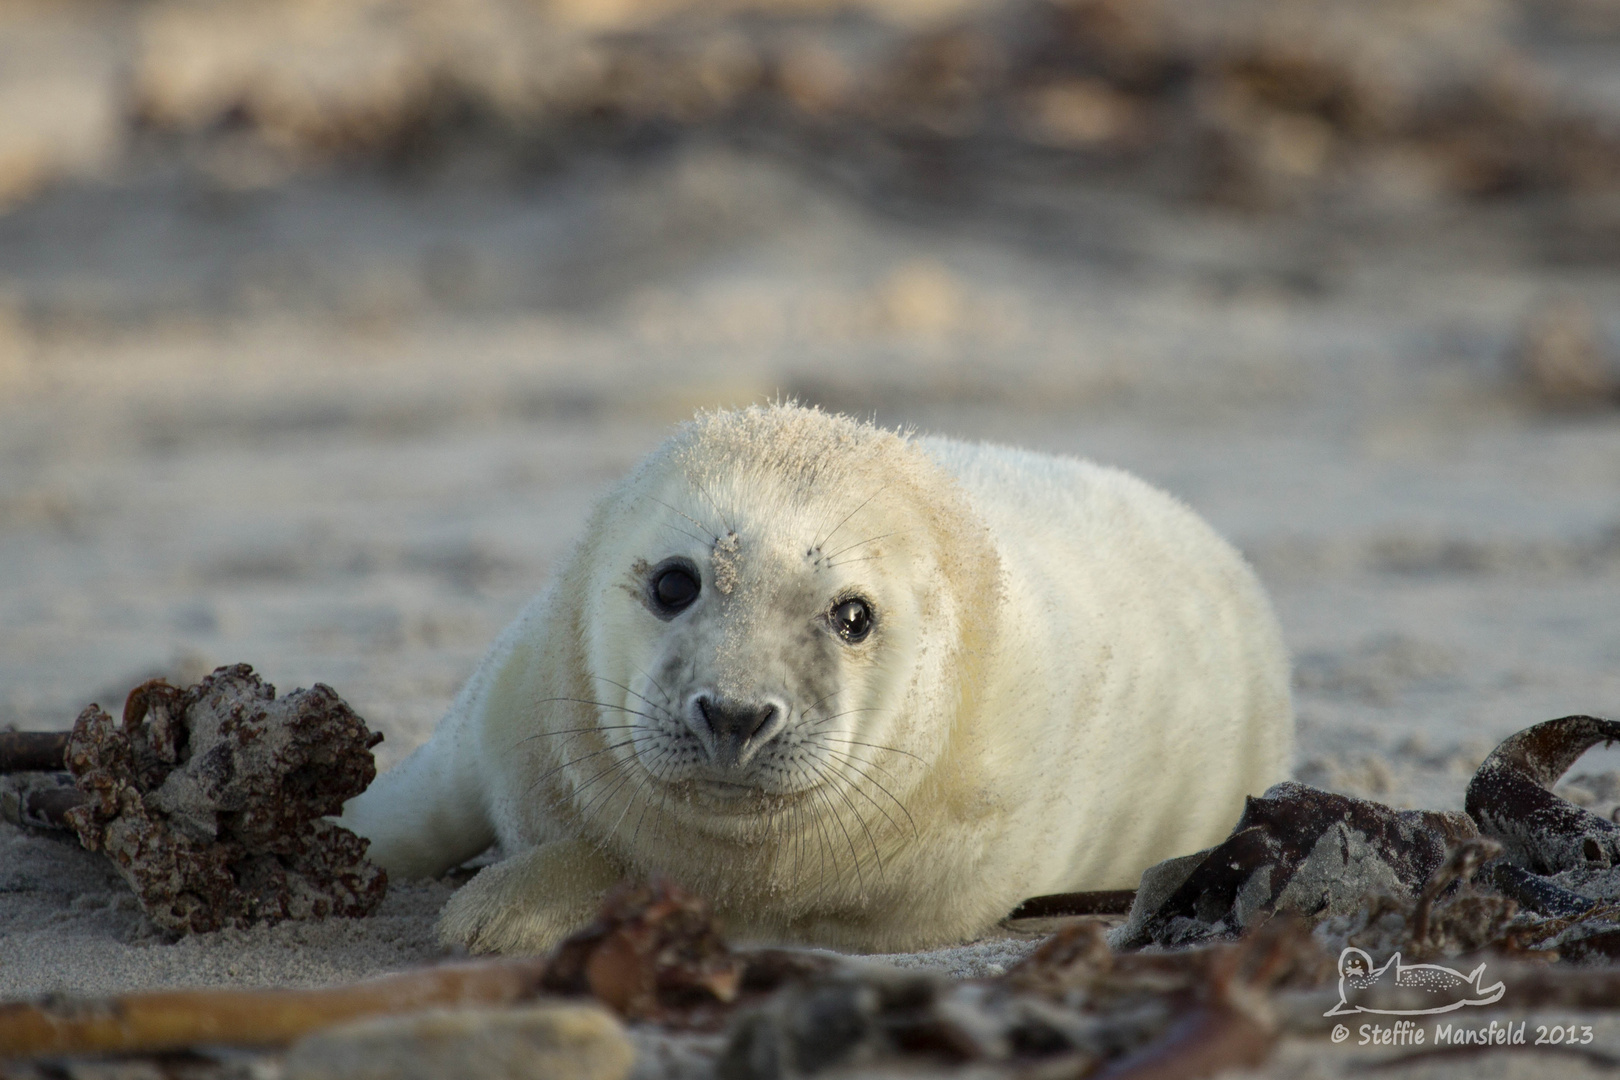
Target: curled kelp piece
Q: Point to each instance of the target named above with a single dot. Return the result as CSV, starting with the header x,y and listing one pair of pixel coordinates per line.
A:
x,y
212,801
1511,798
1543,872
1296,849
1536,893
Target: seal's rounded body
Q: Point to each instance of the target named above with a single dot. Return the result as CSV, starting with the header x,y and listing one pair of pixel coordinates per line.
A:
x,y
857,689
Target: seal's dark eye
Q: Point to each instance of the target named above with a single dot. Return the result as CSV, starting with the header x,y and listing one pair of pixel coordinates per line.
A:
x,y
852,619
675,587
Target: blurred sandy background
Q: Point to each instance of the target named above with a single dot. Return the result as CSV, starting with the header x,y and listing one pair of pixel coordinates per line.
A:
x,y
321,324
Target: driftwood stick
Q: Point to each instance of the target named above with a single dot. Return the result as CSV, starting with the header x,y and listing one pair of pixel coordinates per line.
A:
x,y
166,1020
1105,902
33,751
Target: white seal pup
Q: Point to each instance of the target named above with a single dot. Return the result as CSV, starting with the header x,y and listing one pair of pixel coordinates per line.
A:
x,y
857,689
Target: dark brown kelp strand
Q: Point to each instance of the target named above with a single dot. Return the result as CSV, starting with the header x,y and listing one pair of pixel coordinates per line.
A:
x,y
1058,905
1511,798
33,751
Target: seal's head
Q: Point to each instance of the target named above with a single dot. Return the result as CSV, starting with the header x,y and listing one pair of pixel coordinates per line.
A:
x,y
785,604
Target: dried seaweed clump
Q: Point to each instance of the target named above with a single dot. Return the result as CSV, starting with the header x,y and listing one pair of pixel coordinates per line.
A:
x,y
1296,849
1071,1009
653,952
212,801
1247,101
1523,870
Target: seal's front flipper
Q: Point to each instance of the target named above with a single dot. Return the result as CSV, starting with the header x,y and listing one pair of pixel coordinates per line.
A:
x,y
531,901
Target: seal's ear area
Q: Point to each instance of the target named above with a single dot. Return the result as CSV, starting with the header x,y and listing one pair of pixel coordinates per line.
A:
x,y
970,596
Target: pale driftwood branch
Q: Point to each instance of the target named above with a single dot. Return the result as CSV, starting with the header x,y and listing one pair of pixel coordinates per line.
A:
x,y
165,1020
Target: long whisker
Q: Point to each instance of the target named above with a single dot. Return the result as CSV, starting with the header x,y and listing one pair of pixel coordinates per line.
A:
x,y
850,762
604,705
646,778
705,493
612,767
856,559
668,701
575,761
651,704
870,839
860,879
573,731
615,767
806,711
652,774
605,796
849,754
672,527
879,806
838,715
664,800
825,514
851,514
862,543
874,746
620,774
632,758
702,527
821,855
799,841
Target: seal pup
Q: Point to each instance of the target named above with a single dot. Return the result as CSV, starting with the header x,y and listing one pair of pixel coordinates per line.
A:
x,y
858,689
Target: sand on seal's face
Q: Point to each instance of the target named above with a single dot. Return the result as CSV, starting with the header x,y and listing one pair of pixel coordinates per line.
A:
x,y
1043,642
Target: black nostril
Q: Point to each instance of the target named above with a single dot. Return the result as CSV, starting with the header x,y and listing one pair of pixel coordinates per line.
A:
x,y
734,720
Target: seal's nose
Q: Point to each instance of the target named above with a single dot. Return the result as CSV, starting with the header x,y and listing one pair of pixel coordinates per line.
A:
x,y
737,729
